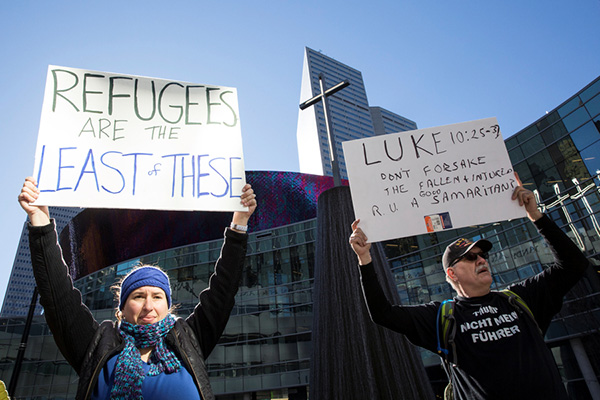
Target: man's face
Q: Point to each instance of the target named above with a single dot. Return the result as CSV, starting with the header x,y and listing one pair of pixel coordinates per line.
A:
x,y
471,273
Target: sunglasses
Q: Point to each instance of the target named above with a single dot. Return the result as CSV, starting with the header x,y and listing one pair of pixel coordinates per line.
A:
x,y
471,257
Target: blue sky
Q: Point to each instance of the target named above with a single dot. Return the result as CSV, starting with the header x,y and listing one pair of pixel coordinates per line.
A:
x,y
435,62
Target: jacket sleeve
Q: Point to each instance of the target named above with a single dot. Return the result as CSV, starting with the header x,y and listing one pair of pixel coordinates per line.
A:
x,y
416,322
70,321
212,312
545,291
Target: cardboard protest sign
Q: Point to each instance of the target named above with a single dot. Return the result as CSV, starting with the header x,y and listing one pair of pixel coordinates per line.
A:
x,y
430,180
120,141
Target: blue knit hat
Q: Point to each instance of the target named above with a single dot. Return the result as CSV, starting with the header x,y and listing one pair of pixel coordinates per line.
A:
x,y
144,276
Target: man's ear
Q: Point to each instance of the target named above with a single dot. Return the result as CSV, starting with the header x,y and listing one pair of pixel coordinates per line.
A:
x,y
450,273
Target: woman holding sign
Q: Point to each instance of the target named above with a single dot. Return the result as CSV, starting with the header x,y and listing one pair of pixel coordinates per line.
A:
x,y
148,353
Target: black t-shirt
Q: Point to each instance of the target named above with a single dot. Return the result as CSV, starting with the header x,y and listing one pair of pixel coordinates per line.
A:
x,y
500,353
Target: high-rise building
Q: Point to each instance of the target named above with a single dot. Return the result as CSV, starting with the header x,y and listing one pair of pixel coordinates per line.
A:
x,y
385,121
351,115
266,348
21,283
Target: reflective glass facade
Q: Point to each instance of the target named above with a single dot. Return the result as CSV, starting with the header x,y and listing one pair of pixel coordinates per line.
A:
x,y
265,347
265,351
385,121
266,344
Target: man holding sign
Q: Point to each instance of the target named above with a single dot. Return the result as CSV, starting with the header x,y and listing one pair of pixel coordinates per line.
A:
x,y
496,350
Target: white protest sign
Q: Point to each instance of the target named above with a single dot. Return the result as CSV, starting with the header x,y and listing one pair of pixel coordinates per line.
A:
x,y
430,180
120,141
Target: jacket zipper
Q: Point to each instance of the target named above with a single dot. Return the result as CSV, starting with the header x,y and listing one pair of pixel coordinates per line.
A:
x,y
189,363
96,371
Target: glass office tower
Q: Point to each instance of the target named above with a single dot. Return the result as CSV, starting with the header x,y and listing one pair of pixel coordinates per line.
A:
x,y
19,289
264,353
385,121
351,115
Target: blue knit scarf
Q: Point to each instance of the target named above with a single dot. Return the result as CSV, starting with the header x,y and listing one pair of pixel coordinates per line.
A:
x,y
129,373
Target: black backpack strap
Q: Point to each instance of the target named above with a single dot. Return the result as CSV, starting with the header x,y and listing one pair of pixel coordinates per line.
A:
x,y
517,302
446,330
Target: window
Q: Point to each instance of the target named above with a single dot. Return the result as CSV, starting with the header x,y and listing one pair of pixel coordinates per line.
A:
x,y
545,181
585,135
567,108
516,155
563,150
576,119
591,91
524,135
532,146
591,158
554,132
524,174
593,106
511,142
540,162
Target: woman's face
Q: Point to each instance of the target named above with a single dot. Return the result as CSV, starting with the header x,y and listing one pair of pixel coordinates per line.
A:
x,y
145,305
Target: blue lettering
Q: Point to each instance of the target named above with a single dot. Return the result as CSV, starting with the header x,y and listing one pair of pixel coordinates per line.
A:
x,y
135,155
201,175
60,167
39,175
89,157
222,177
174,169
184,176
232,178
115,169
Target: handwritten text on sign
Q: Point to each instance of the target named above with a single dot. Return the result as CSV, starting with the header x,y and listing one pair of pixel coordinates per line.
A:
x,y
429,180
117,141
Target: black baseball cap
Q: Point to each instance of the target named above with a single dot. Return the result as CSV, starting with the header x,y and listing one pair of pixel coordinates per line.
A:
x,y
460,247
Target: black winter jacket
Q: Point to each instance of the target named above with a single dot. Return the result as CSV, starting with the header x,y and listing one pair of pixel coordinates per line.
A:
x,y
87,345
